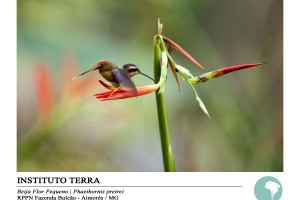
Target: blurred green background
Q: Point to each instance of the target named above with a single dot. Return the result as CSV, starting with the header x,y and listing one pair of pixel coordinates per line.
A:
x,y
61,126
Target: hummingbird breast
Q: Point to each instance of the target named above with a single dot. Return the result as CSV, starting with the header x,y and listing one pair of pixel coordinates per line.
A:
x,y
108,75
106,69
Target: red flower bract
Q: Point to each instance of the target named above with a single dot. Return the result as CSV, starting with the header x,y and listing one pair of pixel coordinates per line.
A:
x,y
123,93
230,69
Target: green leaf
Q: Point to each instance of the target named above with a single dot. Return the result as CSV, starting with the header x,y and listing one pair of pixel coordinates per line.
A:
x,y
163,73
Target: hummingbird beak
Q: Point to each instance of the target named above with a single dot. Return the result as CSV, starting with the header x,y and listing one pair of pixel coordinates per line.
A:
x,y
82,74
147,76
96,67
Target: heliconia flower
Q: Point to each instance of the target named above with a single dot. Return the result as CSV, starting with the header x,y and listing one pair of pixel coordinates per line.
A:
x,y
166,58
214,74
123,93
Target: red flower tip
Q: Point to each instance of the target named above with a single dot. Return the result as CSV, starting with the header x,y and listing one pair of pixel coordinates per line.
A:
x,y
226,70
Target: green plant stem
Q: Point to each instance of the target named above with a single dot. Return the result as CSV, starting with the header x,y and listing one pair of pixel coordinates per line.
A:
x,y
168,159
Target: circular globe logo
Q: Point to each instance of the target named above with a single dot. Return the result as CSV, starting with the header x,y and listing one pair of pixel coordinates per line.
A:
x,y
268,188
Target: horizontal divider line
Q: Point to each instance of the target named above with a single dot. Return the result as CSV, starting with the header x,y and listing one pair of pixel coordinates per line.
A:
x,y
141,186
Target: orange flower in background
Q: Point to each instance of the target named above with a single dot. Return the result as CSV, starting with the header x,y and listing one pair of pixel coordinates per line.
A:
x,y
44,89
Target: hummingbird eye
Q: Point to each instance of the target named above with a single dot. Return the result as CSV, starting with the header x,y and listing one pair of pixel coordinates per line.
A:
x,y
133,69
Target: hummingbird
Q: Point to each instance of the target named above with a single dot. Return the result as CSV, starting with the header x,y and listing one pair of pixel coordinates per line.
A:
x,y
117,76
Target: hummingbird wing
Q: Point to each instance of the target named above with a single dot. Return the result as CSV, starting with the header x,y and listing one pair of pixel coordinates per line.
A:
x,y
123,79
